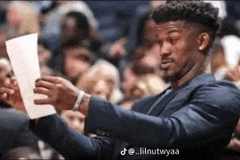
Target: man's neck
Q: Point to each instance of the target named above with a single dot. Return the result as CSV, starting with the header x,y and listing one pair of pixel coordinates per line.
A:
x,y
194,71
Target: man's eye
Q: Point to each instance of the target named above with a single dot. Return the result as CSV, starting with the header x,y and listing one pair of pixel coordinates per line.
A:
x,y
173,40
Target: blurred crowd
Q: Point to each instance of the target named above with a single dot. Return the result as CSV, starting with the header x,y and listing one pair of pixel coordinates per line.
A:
x,y
106,48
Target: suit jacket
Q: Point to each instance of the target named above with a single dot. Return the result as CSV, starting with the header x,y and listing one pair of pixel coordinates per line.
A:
x,y
194,121
14,131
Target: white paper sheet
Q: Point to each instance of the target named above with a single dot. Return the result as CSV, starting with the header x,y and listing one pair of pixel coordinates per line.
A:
x,y
23,55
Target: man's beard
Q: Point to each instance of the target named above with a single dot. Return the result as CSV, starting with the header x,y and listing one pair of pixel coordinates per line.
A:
x,y
173,77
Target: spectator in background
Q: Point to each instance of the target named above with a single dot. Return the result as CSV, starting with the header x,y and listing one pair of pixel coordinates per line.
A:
x,y
75,31
233,74
218,61
8,79
146,35
74,61
230,40
3,11
21,19
52,23
102,80
128,79
136,69
139,81
142,40
3,37
44,55
145,85
147,56
114,26
146,47
21,153
142,29
148,85
228,45
14,132
74,119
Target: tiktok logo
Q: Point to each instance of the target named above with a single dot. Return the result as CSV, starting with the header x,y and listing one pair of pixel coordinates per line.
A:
x,y
123,152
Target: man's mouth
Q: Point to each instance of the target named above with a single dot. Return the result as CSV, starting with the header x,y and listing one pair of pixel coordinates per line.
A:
x,y
165,63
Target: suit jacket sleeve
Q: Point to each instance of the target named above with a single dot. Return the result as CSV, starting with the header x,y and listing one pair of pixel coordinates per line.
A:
x,y
72,145
210,115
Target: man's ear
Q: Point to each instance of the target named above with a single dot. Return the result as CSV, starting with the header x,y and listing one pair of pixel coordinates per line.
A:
x,y
204,40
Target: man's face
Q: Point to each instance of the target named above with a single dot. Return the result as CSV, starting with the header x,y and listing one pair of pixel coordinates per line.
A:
x,y
178,49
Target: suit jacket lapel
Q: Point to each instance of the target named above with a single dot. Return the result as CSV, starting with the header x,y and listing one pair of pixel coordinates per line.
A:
x,y
200,79
157,109
148,105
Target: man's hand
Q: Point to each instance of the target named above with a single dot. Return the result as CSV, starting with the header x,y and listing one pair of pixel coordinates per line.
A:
x,y
61,93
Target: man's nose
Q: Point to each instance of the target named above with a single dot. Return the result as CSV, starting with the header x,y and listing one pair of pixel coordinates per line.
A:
x,y
165,49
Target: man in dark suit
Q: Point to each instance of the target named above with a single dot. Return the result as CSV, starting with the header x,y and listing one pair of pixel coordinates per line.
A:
x,y
192,119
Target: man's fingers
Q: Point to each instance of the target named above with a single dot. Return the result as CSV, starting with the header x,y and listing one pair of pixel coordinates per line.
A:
x,y
43,101
50,79
44,84
41,90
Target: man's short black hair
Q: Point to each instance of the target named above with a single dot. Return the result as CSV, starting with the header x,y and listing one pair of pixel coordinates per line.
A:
x,y
190,11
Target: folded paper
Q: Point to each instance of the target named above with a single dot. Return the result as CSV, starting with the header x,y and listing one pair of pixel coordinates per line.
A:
x,y
23,55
